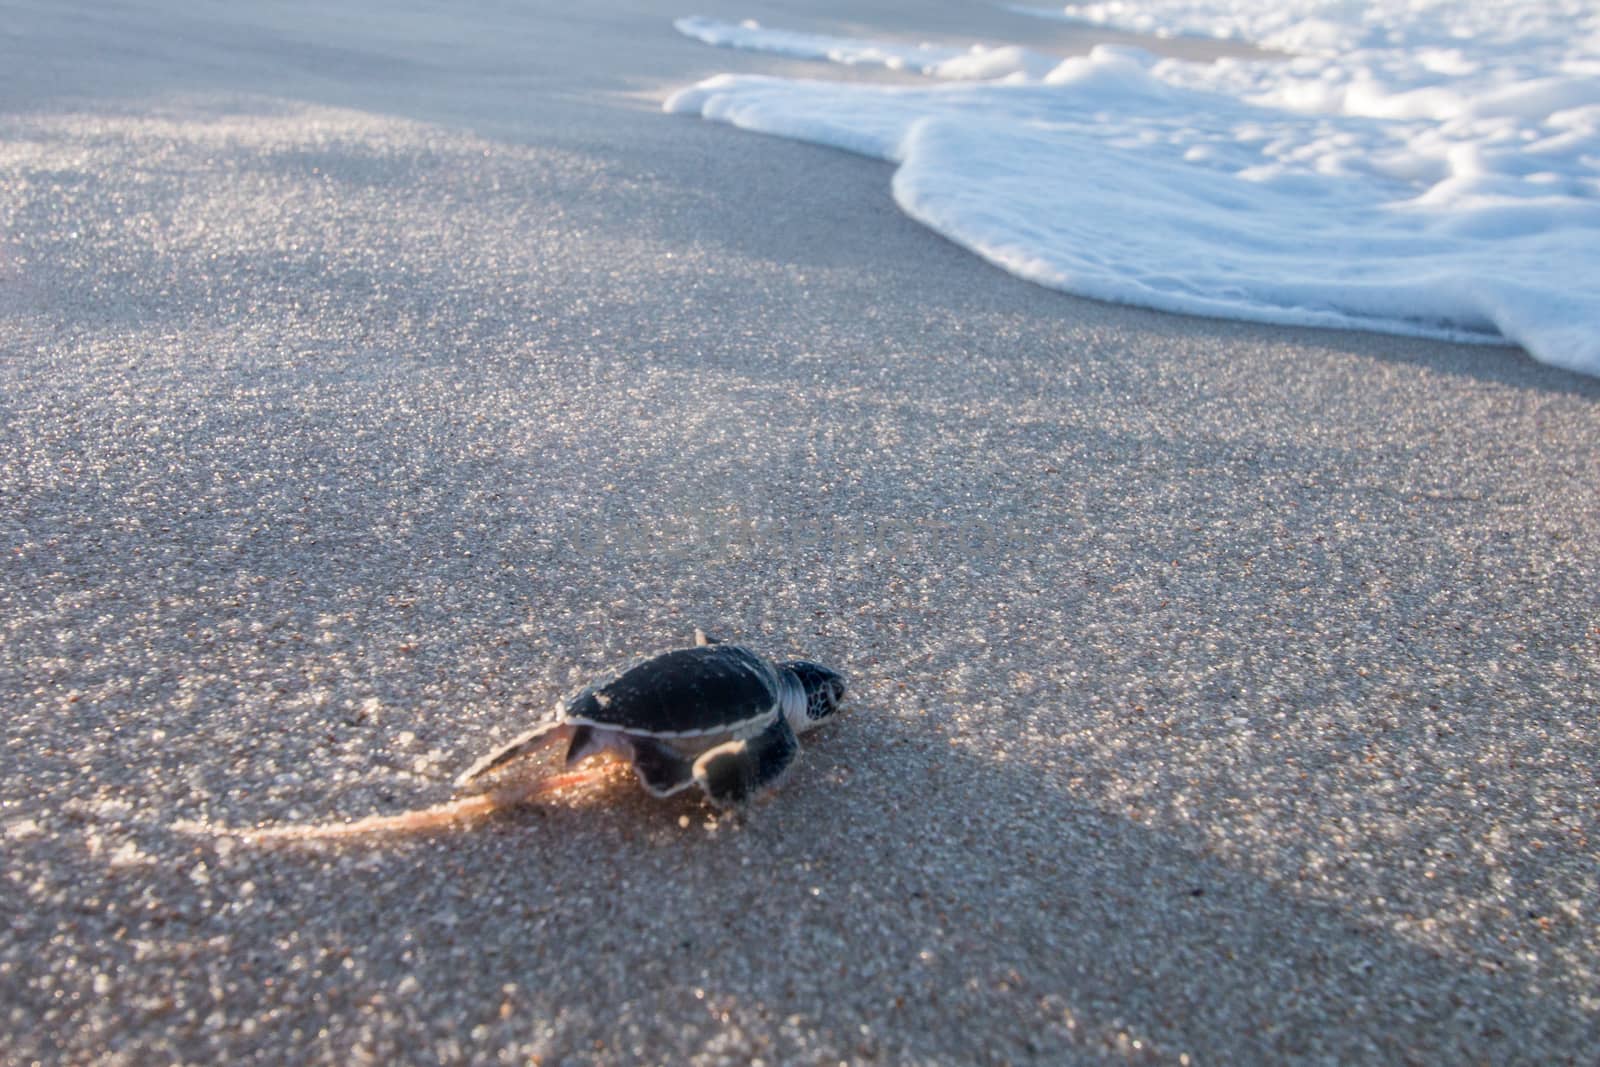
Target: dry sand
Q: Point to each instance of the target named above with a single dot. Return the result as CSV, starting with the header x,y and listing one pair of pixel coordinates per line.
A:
x,y
369,376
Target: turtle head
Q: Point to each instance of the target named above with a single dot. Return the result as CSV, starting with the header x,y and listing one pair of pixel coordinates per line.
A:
x,y
823,688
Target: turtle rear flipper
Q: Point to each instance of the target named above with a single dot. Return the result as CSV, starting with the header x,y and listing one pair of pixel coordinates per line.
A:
x,y
734,773
541,736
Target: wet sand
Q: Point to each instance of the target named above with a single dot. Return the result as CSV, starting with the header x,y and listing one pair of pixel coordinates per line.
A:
x,y
367,381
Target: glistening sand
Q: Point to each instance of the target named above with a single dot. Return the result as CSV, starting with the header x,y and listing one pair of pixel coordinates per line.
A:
x,y
369,377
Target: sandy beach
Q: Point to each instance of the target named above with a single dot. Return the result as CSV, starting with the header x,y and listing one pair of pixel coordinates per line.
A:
x,y
369,378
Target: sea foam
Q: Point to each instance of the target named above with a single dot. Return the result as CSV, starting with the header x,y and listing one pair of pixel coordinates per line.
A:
x,y
1409,167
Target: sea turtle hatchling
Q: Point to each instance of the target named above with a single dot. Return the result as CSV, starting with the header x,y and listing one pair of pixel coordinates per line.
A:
x,y
717,716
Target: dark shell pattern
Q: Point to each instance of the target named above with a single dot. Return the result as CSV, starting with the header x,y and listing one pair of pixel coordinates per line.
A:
x,y
708,689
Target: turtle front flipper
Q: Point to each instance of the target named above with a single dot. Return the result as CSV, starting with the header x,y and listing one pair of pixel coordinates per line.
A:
x,y
661,769
734,773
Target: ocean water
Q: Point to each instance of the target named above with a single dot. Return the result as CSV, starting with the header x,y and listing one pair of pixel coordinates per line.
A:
x,y
1410,166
